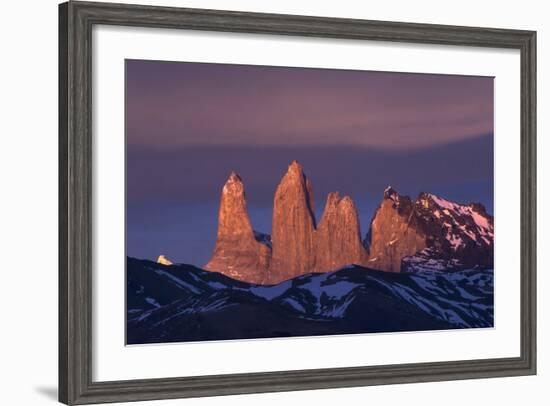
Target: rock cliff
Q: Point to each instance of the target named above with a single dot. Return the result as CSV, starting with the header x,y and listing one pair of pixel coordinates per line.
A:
x,y
394,232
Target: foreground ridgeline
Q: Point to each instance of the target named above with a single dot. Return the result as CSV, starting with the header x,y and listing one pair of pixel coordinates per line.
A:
x,y
404,236
183,303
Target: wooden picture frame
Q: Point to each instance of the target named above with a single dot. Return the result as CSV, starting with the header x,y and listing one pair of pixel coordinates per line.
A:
x,y
76,20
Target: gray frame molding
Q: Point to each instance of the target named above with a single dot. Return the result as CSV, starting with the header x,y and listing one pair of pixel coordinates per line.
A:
x,y
75,179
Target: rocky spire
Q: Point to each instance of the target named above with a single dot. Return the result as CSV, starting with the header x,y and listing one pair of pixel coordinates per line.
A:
x,y
393,232
237,252
338,236
293,226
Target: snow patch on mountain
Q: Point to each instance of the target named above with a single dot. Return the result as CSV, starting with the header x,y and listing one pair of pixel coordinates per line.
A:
x,y
163,260
443,203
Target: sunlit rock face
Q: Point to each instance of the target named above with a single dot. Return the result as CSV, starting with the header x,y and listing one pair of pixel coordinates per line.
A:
x,y
429,233
394,232
295,247
237,253
338,236
293,226
163,260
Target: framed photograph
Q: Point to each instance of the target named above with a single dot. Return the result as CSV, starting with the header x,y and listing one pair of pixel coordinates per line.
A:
x,y
257,202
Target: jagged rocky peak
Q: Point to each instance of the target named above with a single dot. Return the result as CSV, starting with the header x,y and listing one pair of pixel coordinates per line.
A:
x,y
163,260
472,218
293,226
237,252
393,233
397,200
461,233
338,236
430,232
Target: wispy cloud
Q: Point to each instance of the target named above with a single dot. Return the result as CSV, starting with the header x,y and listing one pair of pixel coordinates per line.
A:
x,y
210,104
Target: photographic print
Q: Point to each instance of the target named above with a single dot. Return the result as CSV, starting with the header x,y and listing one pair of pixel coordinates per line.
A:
x,y
266,202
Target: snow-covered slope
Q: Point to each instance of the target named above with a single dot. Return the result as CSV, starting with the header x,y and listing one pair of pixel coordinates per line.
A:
x,y
464,223
461,236
184,303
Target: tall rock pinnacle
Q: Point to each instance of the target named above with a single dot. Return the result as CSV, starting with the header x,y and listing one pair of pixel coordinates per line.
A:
x,y
293,226
338,236
237,252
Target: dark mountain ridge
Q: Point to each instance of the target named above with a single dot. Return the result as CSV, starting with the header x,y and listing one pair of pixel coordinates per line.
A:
x,y
174,303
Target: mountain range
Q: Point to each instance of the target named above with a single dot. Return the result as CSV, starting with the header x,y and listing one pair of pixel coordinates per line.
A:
x,y
404,235
424,264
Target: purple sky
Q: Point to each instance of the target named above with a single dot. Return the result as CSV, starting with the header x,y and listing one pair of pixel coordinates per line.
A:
x,y
189,124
